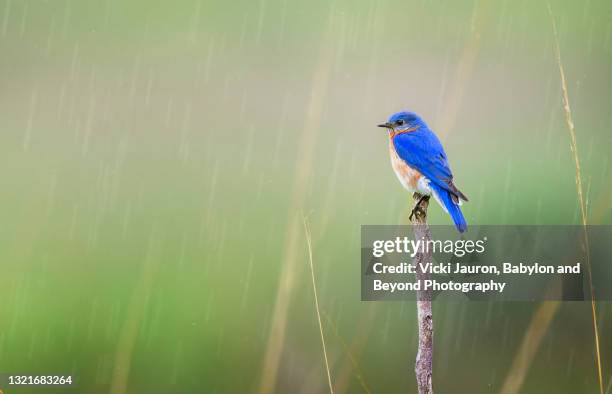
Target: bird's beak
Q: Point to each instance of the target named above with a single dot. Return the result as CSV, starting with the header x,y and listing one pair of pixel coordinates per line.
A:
x,y
386,125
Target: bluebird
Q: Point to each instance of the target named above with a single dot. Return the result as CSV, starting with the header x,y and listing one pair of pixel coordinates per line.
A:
x,y
421,165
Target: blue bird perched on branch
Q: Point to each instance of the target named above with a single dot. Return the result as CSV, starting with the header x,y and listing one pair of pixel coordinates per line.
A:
x,y
421,165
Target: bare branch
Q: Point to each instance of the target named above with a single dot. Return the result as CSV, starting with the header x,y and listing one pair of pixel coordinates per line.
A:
x,y
424,360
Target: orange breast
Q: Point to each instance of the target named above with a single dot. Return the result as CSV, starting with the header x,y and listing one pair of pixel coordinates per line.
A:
x,y
406,175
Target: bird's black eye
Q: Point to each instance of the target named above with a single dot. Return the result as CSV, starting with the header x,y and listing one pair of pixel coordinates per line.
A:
x,y
399,122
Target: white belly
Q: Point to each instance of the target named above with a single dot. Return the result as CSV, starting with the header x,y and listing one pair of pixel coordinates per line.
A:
x,y
422,184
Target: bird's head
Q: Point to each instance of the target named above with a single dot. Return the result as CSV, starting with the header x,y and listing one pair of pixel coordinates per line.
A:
x,y
402,122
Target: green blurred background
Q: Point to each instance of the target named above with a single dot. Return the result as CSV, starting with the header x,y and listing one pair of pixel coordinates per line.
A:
x,y
157,159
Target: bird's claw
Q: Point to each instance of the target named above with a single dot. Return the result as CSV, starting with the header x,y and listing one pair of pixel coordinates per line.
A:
x,y
417,207
415,212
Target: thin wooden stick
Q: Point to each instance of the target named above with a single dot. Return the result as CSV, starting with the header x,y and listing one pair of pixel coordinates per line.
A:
x,y
423,367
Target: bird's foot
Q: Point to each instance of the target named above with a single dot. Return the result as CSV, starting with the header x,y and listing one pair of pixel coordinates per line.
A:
x,y
417,208
415,212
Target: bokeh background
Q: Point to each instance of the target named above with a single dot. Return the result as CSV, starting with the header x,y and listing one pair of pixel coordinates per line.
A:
x,y
158,160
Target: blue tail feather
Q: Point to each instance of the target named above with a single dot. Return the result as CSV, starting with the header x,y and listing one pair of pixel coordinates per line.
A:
x,y
453,209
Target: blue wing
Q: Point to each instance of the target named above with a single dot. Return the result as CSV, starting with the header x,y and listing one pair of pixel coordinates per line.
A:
x,y
422,150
